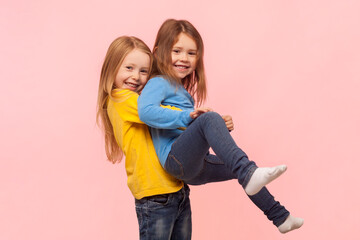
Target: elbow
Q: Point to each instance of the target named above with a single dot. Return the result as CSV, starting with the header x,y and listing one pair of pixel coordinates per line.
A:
x,y
142,118
143,113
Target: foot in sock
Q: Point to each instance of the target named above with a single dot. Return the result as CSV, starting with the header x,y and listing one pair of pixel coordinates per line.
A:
x,y
291,223
263,176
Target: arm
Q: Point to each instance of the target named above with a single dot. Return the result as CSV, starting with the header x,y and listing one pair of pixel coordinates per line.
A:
x,y
151,112
197,112
125,103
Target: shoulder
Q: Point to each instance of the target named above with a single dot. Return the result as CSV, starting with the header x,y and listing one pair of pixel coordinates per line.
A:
x,y
159,80
123,94
162,84
122,97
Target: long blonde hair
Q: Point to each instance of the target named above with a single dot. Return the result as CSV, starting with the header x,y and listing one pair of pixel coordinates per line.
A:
x,y
115,55
167,36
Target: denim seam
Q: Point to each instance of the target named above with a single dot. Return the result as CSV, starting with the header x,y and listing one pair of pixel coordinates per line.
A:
x,y
220,162
182,196
179,164
146,218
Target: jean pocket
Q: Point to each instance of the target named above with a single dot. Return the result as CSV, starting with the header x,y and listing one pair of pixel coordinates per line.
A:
x,y
174,167
158,202
153,202
160,199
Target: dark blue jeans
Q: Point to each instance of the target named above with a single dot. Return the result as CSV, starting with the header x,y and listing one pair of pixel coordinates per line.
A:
x,y
166,216
190,161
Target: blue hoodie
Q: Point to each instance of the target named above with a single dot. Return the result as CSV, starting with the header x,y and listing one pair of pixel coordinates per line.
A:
x,y
164,123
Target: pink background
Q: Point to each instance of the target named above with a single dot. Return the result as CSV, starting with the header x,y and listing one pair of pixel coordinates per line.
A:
x,y
287,71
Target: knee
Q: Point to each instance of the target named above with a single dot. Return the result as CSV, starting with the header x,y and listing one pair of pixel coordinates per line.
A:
x,y
210,116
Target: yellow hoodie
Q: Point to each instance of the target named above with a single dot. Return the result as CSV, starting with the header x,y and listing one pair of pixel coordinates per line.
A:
x,y
146,177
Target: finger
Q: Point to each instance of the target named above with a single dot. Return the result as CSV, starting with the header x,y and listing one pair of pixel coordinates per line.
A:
x,y
202,110
228,121
230,126
227,118
205,109
193,115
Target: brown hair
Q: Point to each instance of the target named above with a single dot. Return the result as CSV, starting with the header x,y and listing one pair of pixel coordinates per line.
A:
x,y
167,36
115,55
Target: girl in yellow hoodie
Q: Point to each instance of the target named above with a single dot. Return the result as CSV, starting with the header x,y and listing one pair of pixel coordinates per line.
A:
x,y
162,202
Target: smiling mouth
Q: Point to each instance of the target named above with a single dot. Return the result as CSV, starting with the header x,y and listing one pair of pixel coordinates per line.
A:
x,y
132,85
181,66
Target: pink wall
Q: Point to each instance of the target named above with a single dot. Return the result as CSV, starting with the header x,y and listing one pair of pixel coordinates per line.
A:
x,y
287,71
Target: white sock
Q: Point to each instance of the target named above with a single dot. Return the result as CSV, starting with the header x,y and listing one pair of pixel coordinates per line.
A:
x,y
291,223
263,176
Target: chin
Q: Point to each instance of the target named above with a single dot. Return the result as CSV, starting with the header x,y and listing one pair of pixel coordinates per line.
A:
x,y
181,75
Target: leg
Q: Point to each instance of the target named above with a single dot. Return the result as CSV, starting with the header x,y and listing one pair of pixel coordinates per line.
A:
x,y
183,226
185,160
161,216
273,210
214,170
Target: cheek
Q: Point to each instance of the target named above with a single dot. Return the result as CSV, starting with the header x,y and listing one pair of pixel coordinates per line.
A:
x,y
194,63
144,81
119,81
173,58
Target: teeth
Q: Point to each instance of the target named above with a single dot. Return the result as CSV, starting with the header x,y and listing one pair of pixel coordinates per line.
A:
x,y
132,85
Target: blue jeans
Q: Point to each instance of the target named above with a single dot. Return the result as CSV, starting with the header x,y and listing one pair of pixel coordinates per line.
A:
x,y
190,161
166,216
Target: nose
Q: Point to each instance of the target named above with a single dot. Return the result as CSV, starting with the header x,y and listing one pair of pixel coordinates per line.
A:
x,y
135,75
184,56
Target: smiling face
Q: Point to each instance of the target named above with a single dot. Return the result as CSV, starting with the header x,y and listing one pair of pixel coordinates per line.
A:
x,y
184,56
134,71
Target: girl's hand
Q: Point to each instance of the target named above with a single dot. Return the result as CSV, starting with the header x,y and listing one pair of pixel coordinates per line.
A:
x,y
228,122
197,112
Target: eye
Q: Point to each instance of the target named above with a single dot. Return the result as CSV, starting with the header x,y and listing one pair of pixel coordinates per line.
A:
x,y
192,53
129,67
144,71
176,50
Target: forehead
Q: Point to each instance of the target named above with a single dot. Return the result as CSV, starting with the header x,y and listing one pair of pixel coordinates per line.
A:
x,y
184,40
137,57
